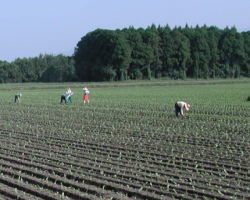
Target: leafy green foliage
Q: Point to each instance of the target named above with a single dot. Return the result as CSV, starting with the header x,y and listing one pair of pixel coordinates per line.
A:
x,y
200,52
45,68
102,55
132,54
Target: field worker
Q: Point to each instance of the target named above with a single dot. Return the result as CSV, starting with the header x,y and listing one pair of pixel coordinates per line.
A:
x,y
85,95
181,107
63,99
68,95
18,98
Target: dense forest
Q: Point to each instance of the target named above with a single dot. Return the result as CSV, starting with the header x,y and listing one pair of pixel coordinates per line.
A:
x,y
155,52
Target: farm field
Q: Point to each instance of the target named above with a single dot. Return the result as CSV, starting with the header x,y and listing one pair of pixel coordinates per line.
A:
x,y
127,143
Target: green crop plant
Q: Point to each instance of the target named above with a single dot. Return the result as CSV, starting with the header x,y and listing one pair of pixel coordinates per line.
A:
x,y
134,127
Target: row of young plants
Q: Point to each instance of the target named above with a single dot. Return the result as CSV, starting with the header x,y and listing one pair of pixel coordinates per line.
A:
x,y
64,163
127,144
33,147
237,145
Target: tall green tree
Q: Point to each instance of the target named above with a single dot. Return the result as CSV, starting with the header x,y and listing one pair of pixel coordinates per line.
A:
x,y
152,39
200,52
181,52
231,51
213,34
102,55
141,54
59,69
246,63
27,69
9,73
167,53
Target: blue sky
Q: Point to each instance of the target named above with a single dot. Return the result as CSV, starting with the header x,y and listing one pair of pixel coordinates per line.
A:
x,y
33,27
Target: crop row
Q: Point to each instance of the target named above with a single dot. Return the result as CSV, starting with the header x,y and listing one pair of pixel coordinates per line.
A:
x,y
126,145
116,166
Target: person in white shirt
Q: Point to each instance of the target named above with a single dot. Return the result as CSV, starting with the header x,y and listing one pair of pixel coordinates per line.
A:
x,y
181,107
68,95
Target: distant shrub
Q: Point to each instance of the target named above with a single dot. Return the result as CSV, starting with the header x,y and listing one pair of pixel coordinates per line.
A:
x,y
248,98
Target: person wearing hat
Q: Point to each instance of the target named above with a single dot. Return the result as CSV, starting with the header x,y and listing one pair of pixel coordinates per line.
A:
x,y
181,107
85,95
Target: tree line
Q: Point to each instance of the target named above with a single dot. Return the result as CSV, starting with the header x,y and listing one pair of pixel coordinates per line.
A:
x,y
44,68
155,52
129,53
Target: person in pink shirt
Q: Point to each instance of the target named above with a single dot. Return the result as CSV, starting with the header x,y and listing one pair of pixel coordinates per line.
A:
x,y
85,95
181,107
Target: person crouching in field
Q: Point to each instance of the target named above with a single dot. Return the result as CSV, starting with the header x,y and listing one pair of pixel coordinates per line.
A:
x,y
181,107
18,98
67,97
85,95
63,99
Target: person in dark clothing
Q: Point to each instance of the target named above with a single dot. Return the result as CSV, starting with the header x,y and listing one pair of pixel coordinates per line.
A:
x,y
17,98
63,99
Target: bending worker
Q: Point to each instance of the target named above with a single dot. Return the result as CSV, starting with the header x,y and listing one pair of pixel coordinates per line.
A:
x,y
68,96
18,98
181,107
